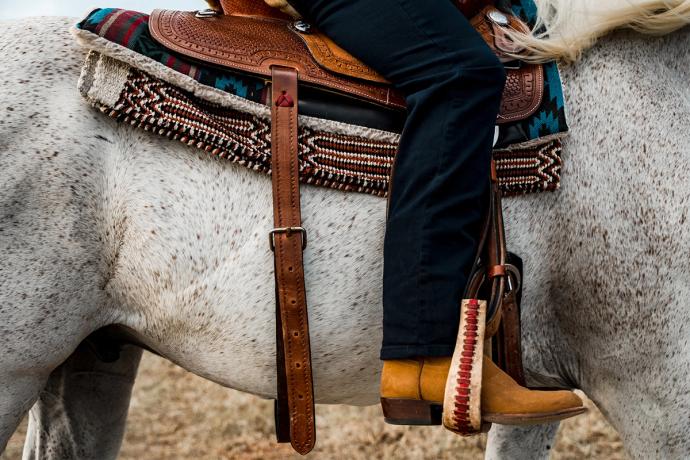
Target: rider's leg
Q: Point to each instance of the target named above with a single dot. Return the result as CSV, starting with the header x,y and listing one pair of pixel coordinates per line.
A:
x,y
453,85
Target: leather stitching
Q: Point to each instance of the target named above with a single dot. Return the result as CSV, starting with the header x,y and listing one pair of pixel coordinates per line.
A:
x,y
161,25
289,254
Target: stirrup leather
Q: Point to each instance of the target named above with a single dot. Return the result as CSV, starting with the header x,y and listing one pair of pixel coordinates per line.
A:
x,y
480,320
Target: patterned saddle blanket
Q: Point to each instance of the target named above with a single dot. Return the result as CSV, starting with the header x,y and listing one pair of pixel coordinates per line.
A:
x,y
131,77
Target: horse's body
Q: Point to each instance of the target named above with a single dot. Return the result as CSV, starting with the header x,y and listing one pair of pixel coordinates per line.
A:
x,y
102,224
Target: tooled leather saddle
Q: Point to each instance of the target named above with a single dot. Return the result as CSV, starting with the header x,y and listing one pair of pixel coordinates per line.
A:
x,y
249,36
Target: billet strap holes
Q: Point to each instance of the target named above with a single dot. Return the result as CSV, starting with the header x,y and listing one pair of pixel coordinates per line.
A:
x,y
295,394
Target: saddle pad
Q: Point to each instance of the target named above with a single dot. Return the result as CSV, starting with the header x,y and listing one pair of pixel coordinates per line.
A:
x,y
223,113
339,156
130,29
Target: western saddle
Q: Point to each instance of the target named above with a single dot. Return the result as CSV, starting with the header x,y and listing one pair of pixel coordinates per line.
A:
x,y
248,36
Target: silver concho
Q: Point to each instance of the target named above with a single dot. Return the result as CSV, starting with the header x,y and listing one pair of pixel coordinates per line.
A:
x,y
302,26
498,17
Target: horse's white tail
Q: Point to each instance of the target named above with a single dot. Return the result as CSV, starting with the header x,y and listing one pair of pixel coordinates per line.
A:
x,y
565,28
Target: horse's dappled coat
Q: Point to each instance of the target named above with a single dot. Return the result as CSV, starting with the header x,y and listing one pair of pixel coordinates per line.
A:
x,y
103,223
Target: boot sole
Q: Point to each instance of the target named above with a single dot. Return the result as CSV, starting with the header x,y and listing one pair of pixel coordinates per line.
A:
x,y
426,413
532,419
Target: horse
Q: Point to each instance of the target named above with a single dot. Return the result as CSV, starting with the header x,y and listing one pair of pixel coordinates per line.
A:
x,y
102,224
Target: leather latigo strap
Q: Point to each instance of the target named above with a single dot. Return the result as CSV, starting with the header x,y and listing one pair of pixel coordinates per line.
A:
x,y
490,272
490,279
288,240
509,343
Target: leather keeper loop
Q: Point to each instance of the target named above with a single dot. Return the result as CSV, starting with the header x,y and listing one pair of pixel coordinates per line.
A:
x,y
497,270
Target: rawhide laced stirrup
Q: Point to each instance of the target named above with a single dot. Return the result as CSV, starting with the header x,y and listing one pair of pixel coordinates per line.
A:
x,y
495,279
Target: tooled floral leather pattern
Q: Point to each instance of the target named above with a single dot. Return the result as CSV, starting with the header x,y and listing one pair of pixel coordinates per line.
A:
x,y
254,43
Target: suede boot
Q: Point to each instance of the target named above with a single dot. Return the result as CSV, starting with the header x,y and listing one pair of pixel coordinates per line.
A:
x,y
412,392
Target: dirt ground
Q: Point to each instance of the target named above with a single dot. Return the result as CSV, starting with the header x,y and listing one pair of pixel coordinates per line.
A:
x,y
177,415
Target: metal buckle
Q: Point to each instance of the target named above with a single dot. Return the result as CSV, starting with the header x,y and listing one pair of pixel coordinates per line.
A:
x,y
288,231
207,13
513,270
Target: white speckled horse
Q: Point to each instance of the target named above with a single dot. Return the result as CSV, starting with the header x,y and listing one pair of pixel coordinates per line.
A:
x,y
102,224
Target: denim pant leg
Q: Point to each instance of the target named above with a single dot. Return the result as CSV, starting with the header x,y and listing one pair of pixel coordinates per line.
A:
x,y
453,84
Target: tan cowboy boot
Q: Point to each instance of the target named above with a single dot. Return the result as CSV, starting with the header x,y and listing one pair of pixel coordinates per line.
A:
x,y
412,393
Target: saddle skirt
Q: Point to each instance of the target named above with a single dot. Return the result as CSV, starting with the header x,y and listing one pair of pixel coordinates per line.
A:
x,y
251,37
224,112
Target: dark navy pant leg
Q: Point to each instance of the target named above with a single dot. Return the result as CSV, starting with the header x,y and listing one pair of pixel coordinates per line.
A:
x,y
453,84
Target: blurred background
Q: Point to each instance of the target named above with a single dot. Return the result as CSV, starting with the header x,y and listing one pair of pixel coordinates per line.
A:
x,y
177,415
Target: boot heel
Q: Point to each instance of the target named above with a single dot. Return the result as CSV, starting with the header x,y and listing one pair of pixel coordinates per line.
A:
x,y
411,412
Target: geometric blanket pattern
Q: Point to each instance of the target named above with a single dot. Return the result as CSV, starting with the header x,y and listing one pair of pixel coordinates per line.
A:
x,y
130,29
163,95
341,161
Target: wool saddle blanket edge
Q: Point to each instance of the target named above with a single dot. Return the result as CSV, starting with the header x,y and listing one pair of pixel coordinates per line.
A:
x,y
168,97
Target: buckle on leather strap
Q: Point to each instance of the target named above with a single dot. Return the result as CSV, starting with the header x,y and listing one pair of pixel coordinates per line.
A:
x,y
288,231
510,271
515,278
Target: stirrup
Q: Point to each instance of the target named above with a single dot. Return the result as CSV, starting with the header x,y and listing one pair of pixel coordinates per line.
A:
x,y
462,402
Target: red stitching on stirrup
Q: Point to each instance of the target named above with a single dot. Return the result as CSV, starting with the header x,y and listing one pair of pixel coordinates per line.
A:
x,y
461,414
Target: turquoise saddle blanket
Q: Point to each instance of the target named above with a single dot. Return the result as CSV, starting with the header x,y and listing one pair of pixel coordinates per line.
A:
x,y
134,79
130,29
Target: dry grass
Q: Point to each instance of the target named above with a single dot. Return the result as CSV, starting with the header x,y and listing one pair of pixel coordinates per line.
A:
x,y
175,414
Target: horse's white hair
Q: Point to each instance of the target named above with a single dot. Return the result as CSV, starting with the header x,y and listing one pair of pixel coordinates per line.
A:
x,y
102,224
566,28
